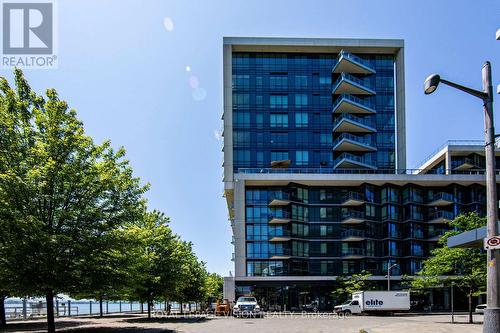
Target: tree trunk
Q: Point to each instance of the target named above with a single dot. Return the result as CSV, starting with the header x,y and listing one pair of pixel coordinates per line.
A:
x,y
100,307
149,309
3,321
470,307
182,310
49,298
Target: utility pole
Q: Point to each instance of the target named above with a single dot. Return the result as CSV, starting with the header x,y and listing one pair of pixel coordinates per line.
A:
x,y
492,313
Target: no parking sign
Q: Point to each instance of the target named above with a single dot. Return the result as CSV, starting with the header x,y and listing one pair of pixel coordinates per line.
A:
x,y
492,243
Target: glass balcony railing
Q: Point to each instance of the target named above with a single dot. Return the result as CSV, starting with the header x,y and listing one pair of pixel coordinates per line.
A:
x,y
356,64
350,142
348,161
347,122
353,196
353,252
350,84
441,215
353,233
360,105
441,198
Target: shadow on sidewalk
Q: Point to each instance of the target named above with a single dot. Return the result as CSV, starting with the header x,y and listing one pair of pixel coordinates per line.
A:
x,y
39,326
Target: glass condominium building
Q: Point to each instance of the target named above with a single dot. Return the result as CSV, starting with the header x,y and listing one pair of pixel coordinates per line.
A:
x,y
315,171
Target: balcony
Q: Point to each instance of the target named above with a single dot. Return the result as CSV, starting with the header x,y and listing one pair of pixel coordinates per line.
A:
x,y
441,217
279,199
353,253
441,199
349,84
280,255
353,235
353,199
466,163
353,217
349,123
350,63
351,161
352,104
349,142
279,236
279,219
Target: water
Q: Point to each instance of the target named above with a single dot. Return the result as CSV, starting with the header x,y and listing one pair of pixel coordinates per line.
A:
x,y
38,308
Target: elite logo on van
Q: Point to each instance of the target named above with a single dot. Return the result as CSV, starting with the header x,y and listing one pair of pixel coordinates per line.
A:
x,y
28,34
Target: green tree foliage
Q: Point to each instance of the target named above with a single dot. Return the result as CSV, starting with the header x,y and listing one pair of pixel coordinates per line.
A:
x,y
157,259
62,197
466,267
350,284
214,285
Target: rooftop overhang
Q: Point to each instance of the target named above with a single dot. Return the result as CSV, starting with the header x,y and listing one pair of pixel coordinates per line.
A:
x,y
313,45
469,239
325,179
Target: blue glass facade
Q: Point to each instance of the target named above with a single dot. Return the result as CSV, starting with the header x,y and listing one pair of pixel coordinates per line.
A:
x,y
311,230
283,109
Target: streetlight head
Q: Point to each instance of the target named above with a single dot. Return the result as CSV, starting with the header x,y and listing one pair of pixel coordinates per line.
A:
x,y
431,83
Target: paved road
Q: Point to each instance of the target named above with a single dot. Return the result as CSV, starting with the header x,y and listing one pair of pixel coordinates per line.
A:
x,y
272,323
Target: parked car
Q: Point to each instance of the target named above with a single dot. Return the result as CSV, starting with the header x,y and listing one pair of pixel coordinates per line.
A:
x,y
480,308
246,306
313,306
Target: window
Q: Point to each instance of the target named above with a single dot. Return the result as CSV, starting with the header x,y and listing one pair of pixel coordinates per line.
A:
x,y
241,100
300,100
279,138
278,101
301,119
322,230
279,120
300,81
243,157
242,119
278,81
259,99
301,157
325,139
323,248
279,155
241,81
260,159
259,120
325,80
241,138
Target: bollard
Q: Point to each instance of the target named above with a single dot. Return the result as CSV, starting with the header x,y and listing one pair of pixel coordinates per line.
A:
x,y
25,310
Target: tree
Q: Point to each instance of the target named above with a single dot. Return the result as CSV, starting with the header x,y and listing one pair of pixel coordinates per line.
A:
x,y
350,284
214,285
157,264
192,283
464,266
61,193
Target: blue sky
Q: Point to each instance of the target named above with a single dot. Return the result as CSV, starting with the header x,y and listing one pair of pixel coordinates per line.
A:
x,y
123,67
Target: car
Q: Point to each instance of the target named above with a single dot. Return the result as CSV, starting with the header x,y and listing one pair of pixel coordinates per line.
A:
x,y
247,306
480,308
313,306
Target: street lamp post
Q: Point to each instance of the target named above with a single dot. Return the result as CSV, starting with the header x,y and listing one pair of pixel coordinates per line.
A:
x,y
492,313
389,275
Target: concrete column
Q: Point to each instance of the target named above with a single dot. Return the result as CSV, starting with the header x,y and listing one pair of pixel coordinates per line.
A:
x,y
447,161
239,228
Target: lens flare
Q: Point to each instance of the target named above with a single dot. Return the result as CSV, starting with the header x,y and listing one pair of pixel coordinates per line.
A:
x,y
168,23
194,82
199,94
